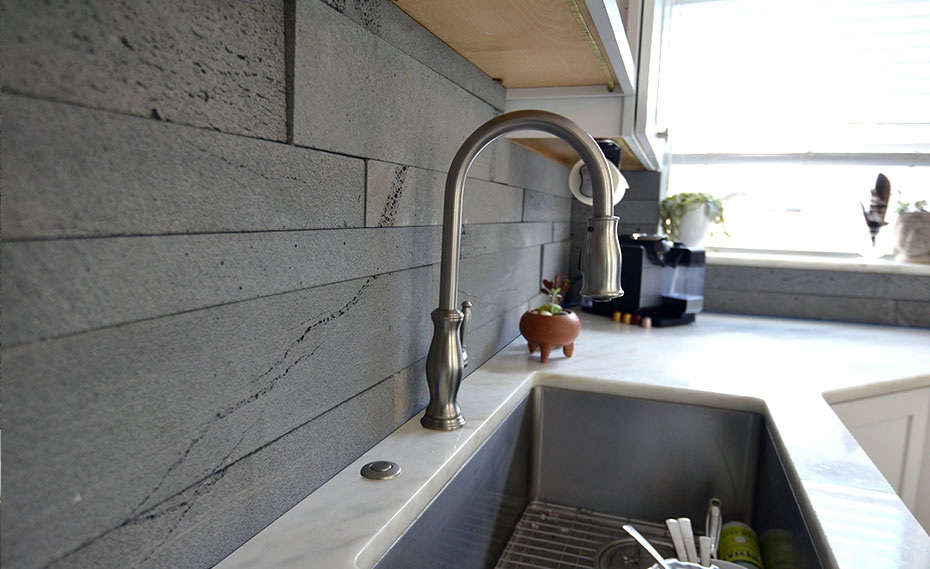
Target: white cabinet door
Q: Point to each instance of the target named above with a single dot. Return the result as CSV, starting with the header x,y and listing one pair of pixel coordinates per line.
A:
x,y
645,131
892,430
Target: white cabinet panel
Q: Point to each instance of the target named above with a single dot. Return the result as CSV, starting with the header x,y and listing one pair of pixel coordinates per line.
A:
x,y
886,444
648,136
892,430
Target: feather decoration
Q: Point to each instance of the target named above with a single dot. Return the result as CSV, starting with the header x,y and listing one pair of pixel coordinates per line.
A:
x,y
875,216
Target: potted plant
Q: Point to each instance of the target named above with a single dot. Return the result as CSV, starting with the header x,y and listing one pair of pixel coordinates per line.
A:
x,y
551,326
912,233
687,217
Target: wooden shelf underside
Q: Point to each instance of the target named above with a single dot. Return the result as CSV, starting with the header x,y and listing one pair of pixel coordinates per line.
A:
x,y
523,44
558,150
519,43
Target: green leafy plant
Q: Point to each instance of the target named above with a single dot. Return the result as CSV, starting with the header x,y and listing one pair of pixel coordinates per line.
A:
x,y
904,207
555,289
673,208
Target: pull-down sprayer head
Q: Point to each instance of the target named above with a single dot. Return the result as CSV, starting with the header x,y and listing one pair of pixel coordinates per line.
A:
x,y
600,259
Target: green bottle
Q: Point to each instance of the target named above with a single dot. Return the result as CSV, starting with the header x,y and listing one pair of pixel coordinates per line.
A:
x,y
739,544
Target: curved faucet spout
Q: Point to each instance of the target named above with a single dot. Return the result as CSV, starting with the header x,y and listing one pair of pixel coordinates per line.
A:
x,y
600,256
487,133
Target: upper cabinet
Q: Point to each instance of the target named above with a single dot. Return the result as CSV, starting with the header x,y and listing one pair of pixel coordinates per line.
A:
x,y
594,61
647,131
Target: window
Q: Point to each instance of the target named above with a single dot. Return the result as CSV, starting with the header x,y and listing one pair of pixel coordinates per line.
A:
x,y
789,110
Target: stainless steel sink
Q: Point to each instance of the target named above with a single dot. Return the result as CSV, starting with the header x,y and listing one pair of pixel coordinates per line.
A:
x,y
615,457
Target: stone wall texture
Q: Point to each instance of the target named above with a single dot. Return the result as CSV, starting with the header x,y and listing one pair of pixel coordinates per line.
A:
x,y
848,296
220,246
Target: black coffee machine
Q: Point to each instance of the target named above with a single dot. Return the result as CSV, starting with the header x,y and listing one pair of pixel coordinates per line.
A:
x,y
660,280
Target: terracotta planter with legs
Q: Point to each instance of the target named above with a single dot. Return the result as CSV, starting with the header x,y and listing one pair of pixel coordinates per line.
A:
x,y
549,332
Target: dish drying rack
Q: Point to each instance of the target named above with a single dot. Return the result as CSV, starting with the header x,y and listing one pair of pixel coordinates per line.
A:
x,y
551,536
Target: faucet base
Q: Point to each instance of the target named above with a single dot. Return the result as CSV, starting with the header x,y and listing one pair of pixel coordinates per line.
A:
x,y
444,365
456,422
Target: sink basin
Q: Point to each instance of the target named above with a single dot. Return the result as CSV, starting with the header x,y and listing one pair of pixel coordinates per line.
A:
x,y
612,458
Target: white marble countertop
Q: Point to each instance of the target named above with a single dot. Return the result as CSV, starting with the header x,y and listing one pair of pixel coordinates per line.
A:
x,y
777,367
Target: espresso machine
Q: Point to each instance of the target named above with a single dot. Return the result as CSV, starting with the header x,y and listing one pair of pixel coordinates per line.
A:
x,y
661,280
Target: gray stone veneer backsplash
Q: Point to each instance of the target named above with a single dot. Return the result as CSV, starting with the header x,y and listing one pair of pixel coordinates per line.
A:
x,y
873,298
203,322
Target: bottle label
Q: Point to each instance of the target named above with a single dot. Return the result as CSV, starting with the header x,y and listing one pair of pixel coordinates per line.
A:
x,y
739,544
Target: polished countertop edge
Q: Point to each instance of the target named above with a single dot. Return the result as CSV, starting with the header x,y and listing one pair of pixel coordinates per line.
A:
x,y
816,263
351,522
878,388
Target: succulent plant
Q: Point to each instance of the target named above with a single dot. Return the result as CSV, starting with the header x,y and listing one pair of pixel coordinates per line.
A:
x,y
555,289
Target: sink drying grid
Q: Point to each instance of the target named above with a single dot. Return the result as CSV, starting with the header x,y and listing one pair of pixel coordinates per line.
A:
x,y
549,536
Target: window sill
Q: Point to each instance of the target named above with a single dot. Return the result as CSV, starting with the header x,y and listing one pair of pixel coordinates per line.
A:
x,y
814,262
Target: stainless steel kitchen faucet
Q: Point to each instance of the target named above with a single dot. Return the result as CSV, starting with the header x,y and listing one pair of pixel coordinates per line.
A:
x,y
600,256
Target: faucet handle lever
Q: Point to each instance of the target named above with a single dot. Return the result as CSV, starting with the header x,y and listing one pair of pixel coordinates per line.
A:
x,y
466,317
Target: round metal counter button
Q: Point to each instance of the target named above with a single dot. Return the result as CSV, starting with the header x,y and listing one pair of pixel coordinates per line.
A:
x,y
381,470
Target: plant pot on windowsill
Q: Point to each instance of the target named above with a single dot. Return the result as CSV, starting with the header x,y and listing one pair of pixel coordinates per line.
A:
x,y
912,237
687,217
